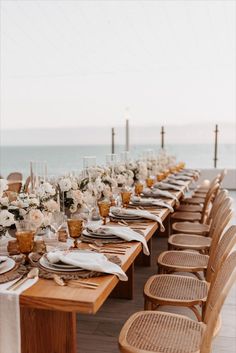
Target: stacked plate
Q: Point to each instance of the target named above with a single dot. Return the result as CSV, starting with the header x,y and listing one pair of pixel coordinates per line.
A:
x,y
6,264
59,266
120,214
146,202
99,234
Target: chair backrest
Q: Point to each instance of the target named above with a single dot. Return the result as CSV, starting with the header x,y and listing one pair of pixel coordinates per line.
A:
x,y
210,197
218,292
14,182
26,185
220,197
222,175
218,220
222,250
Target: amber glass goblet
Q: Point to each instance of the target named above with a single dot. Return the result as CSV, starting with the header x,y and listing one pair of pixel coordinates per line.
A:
x,y
25,239
149,182
104,209
138,188
125,197
75,227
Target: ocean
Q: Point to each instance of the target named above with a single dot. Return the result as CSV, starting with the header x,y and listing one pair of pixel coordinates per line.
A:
x,y
63,159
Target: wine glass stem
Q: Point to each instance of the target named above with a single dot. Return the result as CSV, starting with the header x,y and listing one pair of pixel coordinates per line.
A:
x,y
75,244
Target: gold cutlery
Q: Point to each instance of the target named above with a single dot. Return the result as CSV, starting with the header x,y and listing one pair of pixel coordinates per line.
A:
x,y
74,283
107,250
31,274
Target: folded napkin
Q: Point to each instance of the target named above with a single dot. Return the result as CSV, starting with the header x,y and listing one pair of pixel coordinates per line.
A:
x,y
10,334
178,182
140,213
153,202
158,193
87,260
181,177
125,233
167,186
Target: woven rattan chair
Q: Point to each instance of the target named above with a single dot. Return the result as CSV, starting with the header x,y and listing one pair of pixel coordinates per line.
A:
x,y
158,332
202,190
196,200
14,182
198,216
199,228
186,291
188,261
196,242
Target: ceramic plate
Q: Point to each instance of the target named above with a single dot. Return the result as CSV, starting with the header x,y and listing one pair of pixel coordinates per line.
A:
x,y
58,267
7,265
99,236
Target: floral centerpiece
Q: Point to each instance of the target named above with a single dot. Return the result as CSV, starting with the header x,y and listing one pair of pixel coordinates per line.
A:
x,y
6,217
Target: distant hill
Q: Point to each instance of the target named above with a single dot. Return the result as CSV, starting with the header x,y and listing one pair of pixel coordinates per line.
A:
x,y
192,133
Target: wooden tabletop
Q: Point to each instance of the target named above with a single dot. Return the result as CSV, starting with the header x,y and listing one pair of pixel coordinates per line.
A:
x,y
46,294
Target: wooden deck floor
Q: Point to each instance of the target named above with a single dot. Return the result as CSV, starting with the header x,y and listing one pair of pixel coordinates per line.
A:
x,y
99,333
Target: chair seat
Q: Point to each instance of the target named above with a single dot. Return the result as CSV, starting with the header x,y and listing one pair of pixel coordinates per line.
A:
x,y
191,228
157,331
188,216
164,289
193,201
183,261
189,208
189,241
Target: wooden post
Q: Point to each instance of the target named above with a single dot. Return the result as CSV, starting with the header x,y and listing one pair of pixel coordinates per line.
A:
x,y
216,146
112,140
162,137
127,136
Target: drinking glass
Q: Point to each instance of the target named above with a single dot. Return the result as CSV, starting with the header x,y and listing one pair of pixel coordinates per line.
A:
x,y
138,188
104,209
75,227
25,237
125,197
149,182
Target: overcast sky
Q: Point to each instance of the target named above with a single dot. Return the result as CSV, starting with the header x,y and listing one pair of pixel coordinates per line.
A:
x,y
81,63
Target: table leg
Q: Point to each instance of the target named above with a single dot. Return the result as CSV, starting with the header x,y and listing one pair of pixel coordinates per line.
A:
x,y
46,331
125,290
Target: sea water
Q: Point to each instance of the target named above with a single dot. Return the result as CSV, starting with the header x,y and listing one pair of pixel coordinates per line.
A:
x,y
63,159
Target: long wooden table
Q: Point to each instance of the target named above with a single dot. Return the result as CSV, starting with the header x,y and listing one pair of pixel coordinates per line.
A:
x,y
48,311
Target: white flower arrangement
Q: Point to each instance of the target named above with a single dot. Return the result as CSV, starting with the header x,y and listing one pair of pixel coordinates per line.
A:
x,y
3,186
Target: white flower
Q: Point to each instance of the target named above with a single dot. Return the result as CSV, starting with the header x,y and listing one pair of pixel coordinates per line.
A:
x,y
65,184
47,217
121,179
34,202
4,201
73,208
49,189
22,212
3,186
74,185
51,206
36,217
6,218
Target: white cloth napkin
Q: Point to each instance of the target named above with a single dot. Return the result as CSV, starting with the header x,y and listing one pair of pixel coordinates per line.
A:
x,y
125,233
164,186
87,260
140,213
158,192
178,182
153,202
181,177
10,334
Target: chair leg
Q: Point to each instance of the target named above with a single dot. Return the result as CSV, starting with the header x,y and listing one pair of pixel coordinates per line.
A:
x,y
147,304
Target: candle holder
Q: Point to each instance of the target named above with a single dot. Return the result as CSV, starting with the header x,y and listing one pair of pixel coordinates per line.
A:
x,y
104,209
